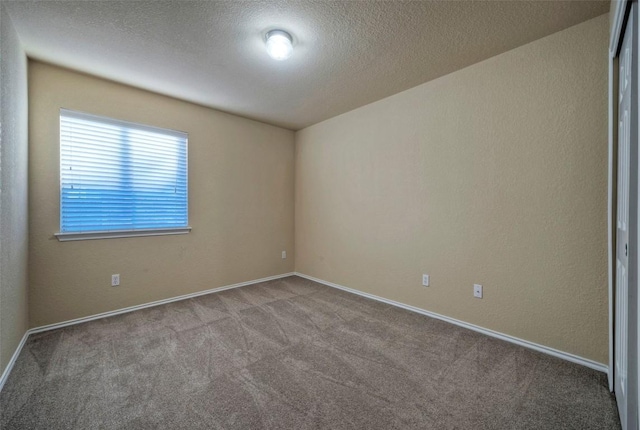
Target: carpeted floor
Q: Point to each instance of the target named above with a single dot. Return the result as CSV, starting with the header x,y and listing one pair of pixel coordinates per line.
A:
x,y
292,354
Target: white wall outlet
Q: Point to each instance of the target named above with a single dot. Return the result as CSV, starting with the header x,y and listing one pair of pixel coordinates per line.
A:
x,y
425,280
477,291
115,280
284,254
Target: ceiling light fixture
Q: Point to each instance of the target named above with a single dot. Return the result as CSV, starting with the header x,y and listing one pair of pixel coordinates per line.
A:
x,y
279,44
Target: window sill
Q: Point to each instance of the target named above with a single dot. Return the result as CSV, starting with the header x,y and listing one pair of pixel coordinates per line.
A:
x,y
115,234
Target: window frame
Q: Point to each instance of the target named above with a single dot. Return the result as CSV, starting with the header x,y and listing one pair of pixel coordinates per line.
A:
x,y
113,234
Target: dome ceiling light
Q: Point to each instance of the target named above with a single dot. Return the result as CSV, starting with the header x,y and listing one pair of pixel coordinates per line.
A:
x,y
279,44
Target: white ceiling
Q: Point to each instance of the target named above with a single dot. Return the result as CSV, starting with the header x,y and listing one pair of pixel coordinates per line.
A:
x,y
346,53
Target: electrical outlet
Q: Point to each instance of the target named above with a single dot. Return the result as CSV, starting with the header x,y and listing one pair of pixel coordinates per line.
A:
x,y
284,254
115,280
425,280
477,291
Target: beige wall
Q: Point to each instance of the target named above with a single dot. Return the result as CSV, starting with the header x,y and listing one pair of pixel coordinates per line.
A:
x,y
13,191
240,203
495,174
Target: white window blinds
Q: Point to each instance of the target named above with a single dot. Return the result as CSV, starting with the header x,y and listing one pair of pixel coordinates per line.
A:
x,y
120,176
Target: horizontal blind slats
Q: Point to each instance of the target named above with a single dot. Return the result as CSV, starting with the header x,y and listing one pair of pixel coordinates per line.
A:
x,y
84,149
116,175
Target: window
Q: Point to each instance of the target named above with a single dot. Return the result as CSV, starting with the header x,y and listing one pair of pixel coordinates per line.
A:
x,y
120,179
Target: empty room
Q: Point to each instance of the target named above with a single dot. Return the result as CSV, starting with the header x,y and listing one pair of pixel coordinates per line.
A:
x,y
325,214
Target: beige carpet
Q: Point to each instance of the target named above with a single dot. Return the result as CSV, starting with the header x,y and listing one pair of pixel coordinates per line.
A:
x,y
292,354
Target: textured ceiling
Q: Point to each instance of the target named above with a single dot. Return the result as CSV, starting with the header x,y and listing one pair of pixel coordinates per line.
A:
x,y
347,53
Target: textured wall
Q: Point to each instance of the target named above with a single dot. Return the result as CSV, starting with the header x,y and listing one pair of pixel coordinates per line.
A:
x,y
13,191
240,203
495,174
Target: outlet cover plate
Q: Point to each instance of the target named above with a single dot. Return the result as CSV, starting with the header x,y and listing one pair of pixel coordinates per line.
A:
x,y
115,280
477,291
425,280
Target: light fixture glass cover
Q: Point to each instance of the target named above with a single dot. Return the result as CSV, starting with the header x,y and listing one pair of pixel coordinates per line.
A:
x,y
279,44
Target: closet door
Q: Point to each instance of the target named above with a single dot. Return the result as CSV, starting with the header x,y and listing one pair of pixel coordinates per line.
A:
x,y
626,227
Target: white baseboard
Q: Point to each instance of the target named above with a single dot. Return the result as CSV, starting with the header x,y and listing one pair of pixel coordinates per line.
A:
x,y
525,343
14,357
48,327
541,348
152,304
